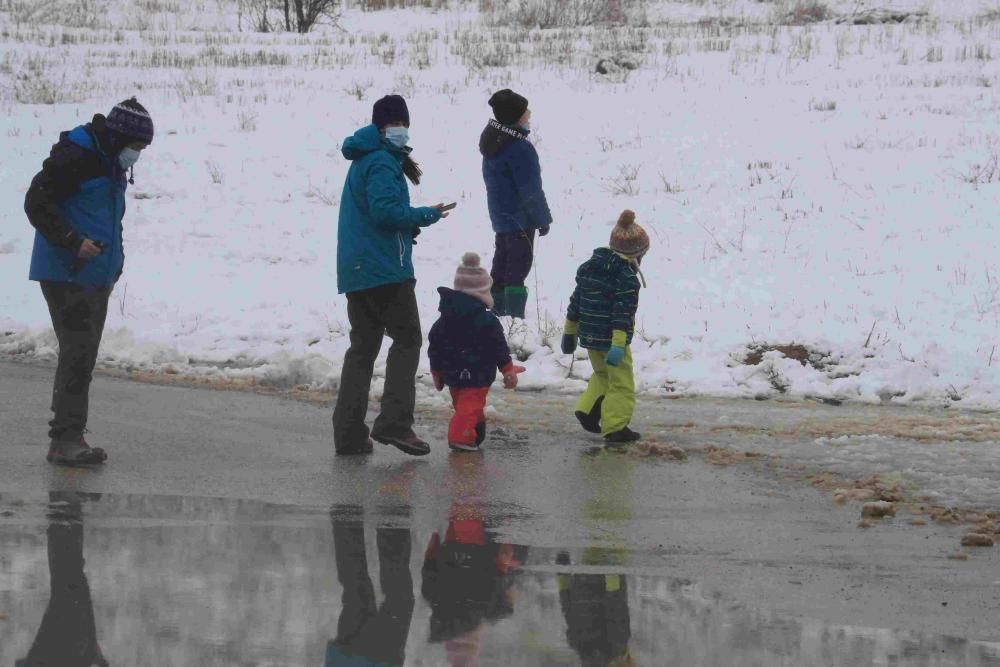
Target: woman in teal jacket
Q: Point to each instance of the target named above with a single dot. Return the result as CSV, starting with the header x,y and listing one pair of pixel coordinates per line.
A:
x,y
76,204
375,270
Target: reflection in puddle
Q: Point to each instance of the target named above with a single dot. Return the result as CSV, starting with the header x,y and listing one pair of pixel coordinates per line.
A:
x,y
67,634
219,582
366,629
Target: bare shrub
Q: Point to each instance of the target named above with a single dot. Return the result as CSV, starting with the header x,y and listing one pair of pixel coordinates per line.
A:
x,y
558,13
806,12
626,182
36,84
42,89
299,16
70,13
979,173
248,121
377,5
214,172
359,89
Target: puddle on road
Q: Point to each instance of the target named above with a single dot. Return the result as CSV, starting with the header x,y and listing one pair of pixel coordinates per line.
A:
x,y
148,580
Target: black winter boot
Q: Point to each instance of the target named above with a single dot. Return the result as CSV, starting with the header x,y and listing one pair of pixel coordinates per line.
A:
x,y
480,432
624,436
75,452
591,422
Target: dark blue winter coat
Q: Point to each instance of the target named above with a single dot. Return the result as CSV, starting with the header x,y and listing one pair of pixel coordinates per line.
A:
x,y
375,229
79,194
466,345
513,179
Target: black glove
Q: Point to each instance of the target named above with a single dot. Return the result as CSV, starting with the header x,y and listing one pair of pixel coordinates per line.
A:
x,y
569,343
416,233
542,231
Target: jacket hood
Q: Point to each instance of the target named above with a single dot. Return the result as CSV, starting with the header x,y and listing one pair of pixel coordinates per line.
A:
x,y
610,262
607,257
368,140
496,138
93,136
458,303
79,136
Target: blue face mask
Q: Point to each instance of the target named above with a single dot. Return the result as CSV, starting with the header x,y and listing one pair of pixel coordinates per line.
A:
x,y
397,136
128,157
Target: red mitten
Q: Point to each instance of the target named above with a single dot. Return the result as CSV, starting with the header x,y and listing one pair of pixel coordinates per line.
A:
x,y
510,373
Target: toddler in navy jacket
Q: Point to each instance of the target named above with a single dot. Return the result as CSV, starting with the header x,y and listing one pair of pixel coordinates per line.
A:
x,y
466,348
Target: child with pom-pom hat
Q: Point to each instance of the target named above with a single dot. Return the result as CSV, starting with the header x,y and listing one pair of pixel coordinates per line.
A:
x,y
466,348
601,315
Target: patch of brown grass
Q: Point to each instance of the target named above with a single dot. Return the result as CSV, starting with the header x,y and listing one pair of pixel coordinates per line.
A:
x,y
800,353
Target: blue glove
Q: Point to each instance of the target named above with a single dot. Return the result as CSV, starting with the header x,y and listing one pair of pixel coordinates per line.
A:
x,y
615,355
568,343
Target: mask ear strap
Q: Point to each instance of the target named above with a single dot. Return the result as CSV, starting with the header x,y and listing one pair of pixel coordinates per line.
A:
x,y
642,278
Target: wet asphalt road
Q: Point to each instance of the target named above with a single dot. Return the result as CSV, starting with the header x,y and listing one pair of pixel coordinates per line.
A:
x,y
223,531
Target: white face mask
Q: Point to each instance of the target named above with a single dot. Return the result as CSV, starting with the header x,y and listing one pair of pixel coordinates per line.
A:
x,y
397,136
128,157
526,125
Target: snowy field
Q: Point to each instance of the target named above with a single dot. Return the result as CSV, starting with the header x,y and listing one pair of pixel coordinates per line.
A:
x,y
832,187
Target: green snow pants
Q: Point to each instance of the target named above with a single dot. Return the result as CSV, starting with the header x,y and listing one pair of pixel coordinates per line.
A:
x,y
616,385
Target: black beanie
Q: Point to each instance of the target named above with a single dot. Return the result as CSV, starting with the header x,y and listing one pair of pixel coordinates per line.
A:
x,y
508,106
390,109
130,119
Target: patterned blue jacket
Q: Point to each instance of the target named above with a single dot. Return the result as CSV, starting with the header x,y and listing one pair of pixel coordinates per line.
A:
x,y
605,299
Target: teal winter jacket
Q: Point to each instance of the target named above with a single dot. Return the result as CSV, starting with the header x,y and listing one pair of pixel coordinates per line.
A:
x,y
375,229
79,194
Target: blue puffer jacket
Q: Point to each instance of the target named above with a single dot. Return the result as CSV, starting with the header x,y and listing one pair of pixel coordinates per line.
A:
x,y
466,345
513,179
375,230
81,192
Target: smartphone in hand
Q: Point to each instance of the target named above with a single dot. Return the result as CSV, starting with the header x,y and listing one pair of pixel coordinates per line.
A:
x,y
448,207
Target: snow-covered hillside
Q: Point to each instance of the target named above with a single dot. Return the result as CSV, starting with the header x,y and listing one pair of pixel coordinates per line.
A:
x,y
828,188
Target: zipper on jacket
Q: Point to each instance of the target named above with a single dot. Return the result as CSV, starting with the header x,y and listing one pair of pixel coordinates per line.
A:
x,y
402,251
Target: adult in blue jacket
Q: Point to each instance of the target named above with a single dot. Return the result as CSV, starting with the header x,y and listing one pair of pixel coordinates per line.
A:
x,y
375,270
515,198
76,204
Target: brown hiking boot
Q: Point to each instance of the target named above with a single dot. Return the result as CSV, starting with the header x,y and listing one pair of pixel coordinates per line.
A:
x,y
75,452
408,443
367,448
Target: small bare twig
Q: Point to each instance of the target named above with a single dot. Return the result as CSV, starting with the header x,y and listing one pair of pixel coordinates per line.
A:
x,y
829,159
713,237
868,340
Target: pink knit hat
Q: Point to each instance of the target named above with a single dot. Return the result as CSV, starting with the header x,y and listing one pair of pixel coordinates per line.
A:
x,y
473,279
